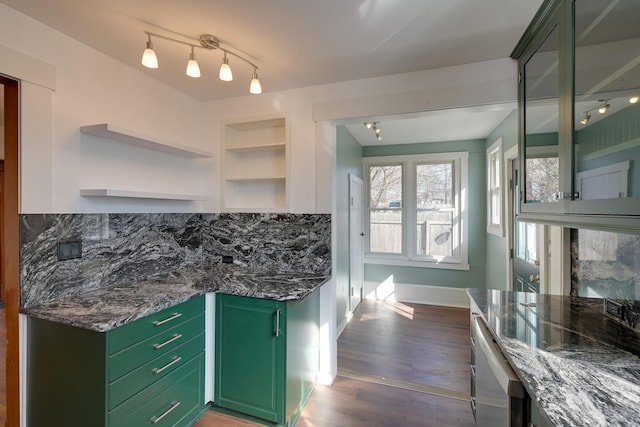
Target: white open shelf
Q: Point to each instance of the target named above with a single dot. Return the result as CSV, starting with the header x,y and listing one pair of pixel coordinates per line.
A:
x,y
110,192
255,164
106,130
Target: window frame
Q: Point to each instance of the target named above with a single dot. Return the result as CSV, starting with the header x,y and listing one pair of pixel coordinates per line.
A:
x,y
409,256
494,152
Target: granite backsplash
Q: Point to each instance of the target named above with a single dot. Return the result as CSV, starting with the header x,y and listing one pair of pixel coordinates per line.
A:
x,y
119,249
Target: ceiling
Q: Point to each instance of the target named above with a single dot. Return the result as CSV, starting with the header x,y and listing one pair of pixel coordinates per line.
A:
x,y
294,43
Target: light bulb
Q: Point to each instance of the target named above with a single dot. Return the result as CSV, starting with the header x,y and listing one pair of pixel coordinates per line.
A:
x,y
586,118
225,70
367,125
149,58
633,99
255,88
193,69
603,109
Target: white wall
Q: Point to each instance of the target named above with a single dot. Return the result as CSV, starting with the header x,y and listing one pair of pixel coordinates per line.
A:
x,y
92,88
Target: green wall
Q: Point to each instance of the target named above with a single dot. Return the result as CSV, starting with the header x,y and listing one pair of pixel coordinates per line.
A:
x,y
475,277
496,269
348,161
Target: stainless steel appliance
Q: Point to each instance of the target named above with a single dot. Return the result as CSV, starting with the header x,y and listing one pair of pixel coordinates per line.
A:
x,y
497,395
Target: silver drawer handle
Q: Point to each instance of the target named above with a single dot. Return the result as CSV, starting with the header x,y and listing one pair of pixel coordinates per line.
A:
x,y
175,360
158,418
168,319
169,341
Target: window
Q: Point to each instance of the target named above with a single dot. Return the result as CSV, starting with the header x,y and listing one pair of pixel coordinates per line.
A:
x,y
416,212
494,188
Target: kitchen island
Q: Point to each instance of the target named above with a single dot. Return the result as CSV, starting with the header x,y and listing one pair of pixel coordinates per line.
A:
x,y
579,366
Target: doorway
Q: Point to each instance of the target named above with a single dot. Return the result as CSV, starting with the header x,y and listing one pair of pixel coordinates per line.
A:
x,y
9,250
356,242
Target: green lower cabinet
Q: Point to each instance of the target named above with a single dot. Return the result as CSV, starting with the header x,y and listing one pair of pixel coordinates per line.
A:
x,y
149,372
266,356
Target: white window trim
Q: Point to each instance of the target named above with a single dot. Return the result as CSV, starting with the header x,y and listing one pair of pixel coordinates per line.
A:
x,y
497,229
461,161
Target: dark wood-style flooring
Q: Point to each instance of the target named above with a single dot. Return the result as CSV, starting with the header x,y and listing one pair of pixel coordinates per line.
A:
x,y
399,364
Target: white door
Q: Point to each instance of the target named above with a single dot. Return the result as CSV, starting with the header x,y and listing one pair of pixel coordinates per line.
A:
x,y
356,241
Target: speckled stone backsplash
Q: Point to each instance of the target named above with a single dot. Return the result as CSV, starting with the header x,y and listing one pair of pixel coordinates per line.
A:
x,y
607,265
127,248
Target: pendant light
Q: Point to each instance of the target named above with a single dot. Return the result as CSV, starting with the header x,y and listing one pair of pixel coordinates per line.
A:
x,y
225,70
255,88
149,58
193,69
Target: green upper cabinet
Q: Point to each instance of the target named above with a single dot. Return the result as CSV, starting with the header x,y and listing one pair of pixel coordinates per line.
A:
x,y
579,79
266,355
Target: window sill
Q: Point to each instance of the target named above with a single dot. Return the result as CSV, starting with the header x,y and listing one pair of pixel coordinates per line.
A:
x,y
408,262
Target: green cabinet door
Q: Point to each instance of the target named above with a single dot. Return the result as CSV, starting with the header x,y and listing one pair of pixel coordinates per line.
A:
x,y
250,356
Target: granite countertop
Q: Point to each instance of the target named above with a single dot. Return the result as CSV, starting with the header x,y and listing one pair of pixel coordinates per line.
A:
x,y
104,309
579,366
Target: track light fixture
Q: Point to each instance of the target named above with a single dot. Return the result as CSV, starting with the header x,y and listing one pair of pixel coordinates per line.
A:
x,y
208,42
586,118
604,107
376,129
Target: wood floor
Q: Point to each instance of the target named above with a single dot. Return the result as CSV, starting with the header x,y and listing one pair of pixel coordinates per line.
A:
x,y
399,364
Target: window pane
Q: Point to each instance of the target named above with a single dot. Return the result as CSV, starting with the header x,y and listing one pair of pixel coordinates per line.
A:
x,y
434,185
435,233
385,187
385,233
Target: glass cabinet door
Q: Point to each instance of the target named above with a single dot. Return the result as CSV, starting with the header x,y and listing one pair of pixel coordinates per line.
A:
x,y
606,136
541,108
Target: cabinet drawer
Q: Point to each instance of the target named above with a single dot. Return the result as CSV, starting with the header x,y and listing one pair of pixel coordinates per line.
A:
x,y
153,324
176,400
154,370
130,358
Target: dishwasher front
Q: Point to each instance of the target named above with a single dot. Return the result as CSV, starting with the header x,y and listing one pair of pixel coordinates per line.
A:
x,y
500,399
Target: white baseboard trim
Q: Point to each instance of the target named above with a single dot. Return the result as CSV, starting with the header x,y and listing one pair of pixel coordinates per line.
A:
x,y
419,294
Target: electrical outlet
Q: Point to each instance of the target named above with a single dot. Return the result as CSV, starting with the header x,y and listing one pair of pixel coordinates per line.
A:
x,y
613,309
69,250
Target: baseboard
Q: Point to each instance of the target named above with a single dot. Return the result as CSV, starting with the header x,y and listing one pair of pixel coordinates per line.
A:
x,y
419,294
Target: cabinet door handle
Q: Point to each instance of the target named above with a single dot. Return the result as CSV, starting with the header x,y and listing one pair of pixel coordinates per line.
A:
x,y
175,360
157,418
168,319
169,341
278,322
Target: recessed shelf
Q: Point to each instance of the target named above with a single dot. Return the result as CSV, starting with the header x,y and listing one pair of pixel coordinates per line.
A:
x,y
110,192
254,161
106,130
259,147
258,178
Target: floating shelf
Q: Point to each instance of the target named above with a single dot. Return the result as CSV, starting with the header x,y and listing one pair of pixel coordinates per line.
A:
x,y
109,192
106,130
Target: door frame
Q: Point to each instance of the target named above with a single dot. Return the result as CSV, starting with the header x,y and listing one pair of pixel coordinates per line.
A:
x,y
354,180
10,246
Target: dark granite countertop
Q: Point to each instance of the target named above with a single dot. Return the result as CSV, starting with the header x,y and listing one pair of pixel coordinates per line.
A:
x,y
578,365
104,309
